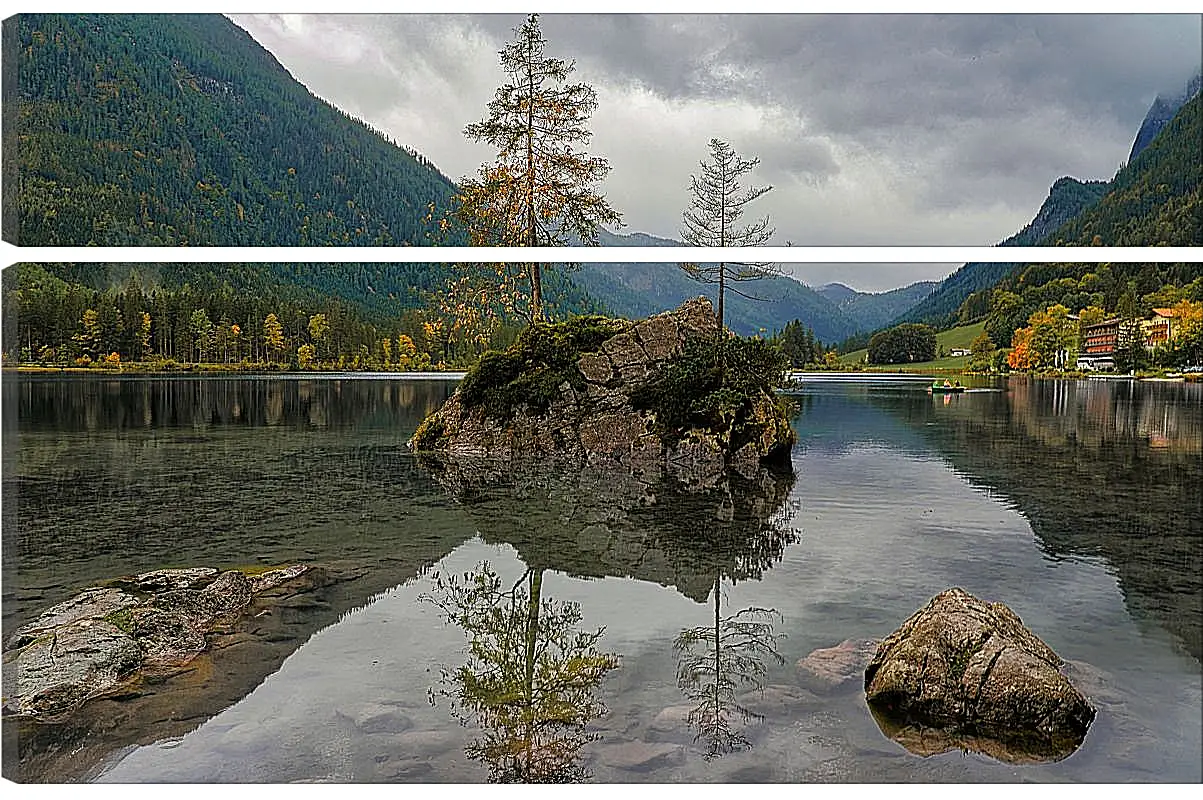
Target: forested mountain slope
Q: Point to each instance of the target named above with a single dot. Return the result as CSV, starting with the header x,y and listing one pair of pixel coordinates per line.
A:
x,y
165,129
1162,110
1067,198
1154,200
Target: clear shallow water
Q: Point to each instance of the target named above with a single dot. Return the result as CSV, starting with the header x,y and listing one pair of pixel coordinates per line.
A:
x,y
1077,504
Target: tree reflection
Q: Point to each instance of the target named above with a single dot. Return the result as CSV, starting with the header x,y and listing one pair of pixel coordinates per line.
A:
x,y
529,679
587,522
717,661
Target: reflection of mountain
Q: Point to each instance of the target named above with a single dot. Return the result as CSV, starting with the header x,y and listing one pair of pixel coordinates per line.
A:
x,y
1098,469
605,523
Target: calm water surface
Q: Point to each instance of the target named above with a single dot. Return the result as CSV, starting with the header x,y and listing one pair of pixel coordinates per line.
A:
x,y
1075,503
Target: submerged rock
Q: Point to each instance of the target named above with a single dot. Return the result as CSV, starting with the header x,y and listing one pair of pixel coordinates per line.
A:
x,y
641,756
600,391
830,668
964,673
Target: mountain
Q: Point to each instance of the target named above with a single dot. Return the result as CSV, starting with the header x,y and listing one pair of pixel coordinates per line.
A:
x,y
1161,112
638,290
165,129
1067,198
871,311
1155,199
837,293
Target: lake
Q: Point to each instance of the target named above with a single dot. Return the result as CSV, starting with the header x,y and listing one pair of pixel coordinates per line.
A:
x,y
1076,503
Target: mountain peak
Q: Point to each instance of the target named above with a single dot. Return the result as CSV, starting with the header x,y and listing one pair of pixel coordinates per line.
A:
x,y
1162,110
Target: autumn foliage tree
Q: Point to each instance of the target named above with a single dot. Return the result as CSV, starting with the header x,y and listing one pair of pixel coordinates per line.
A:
x,y
1049,340
539,191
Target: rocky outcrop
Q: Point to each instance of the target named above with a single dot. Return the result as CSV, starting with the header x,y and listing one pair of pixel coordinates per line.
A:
x,y
93,644
964,673
595,416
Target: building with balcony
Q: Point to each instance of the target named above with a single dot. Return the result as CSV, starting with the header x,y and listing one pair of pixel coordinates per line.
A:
x,y
1160,329
1099,341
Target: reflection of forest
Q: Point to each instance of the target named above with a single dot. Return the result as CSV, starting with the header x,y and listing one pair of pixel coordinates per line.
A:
x,y
1103,469
91,403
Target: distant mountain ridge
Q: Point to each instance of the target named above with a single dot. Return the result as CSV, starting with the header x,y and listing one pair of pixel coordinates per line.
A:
x,y
638,290
873,310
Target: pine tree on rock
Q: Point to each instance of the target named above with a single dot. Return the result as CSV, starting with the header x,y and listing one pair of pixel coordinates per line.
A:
x,y
712,220
539,190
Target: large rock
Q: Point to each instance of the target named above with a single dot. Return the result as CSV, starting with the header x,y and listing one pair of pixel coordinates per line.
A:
x,y
94,603
61,669
101,639
971,671
593,420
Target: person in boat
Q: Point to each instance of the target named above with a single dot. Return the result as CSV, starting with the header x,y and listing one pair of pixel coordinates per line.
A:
x,y
947,385
957,385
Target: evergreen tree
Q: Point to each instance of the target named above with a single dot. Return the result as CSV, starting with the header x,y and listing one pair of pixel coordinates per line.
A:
x,y
712,220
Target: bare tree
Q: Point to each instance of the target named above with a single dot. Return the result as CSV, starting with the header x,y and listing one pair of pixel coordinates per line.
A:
x,y
538,192
712,220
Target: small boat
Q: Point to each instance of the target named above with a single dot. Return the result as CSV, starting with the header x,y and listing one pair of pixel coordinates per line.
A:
x,y
945,389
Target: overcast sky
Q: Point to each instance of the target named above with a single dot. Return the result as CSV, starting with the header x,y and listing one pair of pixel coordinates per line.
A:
x,y
872,129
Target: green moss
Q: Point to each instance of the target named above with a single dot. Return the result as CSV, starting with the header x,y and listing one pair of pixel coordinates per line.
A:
x,y
122,618
712,387
531,371
428,434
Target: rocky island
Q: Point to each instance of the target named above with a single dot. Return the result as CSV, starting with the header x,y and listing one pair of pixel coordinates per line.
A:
x,y
668,394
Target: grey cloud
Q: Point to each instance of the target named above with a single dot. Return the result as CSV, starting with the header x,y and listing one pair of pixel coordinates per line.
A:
x,y
891,129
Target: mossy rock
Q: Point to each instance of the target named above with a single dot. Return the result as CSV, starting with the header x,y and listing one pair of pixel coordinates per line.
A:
x,y
531,371
669,391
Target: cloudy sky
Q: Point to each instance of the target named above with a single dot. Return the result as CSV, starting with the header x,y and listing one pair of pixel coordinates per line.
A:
x,y
872,129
